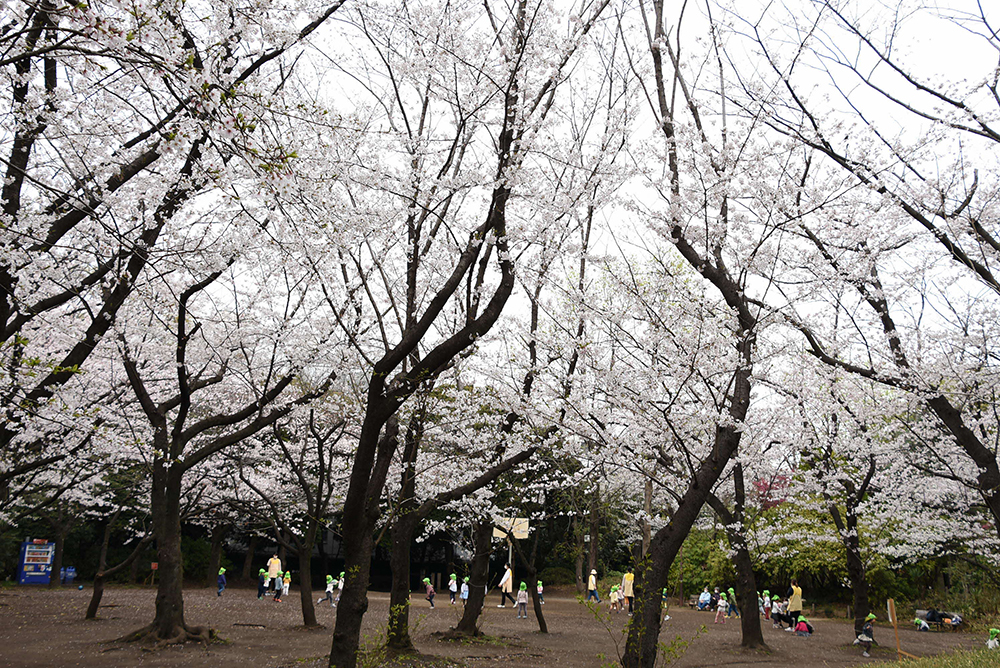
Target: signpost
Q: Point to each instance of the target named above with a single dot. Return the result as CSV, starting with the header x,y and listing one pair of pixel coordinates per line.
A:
x,y
891,609
511,526
35,566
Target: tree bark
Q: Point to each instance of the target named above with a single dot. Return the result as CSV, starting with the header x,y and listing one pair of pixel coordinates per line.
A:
x,y
399,596
215,559
581,582
594,527
478,579
61,526
247,574
305,576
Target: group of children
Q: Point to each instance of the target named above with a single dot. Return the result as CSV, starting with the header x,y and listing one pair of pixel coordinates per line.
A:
x,y
282,581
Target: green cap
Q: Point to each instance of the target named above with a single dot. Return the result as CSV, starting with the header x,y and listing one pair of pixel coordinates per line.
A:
x,y
341,574
994,633
731,592
222,571
767,593
288,574
524,586
465,579
329,579
870,617
539,583
722,596
426,580
262,571
802,619
614,587
454,577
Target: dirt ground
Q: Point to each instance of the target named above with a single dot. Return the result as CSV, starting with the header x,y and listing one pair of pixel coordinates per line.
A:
x,y
42,628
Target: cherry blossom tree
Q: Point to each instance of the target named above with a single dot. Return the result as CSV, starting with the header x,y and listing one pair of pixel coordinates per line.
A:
x,y
118,117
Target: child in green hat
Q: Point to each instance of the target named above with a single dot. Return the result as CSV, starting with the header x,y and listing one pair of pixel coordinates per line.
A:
x,y
222,580
921,624
261,586
286,582
522,601
453,587
541,596
329,592
994,641
340,588
720,611
464,595
430,591
867,635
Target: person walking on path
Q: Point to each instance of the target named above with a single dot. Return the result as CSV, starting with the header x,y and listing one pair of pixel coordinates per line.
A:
x,y
286,582
464,595
222,581
453,587
506,587
794,596
733,609
628,592
592,586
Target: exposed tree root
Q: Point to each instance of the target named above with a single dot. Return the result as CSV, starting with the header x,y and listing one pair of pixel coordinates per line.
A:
x,y
180,634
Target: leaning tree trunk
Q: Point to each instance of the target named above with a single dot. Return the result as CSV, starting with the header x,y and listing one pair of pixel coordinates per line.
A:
x,y
478,579
103,574
651,576
399,596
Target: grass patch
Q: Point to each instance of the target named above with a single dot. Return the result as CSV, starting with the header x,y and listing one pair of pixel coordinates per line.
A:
x,y
983,658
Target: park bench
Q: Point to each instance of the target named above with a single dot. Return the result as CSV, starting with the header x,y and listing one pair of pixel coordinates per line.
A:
x,y
940,624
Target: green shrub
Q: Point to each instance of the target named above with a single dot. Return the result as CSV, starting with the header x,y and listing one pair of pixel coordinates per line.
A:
x,y
557,575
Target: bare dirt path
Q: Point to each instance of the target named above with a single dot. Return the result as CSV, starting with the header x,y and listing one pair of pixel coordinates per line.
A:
x,y
41,628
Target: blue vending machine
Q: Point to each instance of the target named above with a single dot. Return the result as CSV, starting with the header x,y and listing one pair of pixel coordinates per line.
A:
x,y
36,561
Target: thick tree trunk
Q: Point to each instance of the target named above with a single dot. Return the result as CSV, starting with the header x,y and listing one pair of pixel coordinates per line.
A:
x,y
169,619
478,579
353,600
247,574
168,624
581,581
215,558
399,594
305,579
746,590
857,572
